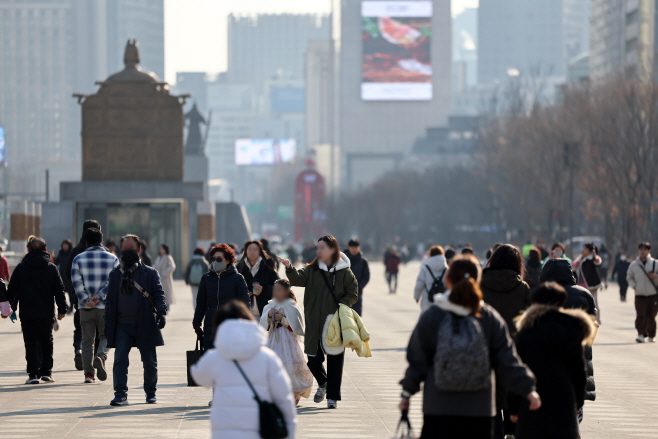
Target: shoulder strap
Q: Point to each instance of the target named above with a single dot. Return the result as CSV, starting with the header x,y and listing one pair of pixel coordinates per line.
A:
x,y
330,287
248,382
443,274
647,274
431,273
145,294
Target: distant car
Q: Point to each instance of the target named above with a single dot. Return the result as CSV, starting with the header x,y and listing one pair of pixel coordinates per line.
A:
x,y
575,246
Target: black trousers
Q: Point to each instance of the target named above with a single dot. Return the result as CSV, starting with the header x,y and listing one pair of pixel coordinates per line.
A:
x,y
77,331
333,376
451,427
623,288
38,339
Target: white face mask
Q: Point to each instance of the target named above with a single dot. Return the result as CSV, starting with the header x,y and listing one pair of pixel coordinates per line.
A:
x,y
622,257
218,266
557,254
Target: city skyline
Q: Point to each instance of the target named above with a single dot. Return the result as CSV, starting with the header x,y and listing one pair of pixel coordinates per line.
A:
x,y
196,30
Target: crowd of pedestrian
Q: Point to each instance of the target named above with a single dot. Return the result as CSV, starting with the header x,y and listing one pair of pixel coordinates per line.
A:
x,y
502,348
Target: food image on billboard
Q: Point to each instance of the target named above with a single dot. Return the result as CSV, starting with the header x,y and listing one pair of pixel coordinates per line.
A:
x,y
250,152
396,37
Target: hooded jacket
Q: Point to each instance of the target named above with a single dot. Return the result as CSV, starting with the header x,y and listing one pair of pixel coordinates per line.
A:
x,y
293,315
215,291
506,292
318,303
640,281
424,281
559,270
35,287
550,341
234,412
512,374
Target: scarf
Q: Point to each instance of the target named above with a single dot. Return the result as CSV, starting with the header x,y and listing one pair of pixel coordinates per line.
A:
x,y
256,266
127,277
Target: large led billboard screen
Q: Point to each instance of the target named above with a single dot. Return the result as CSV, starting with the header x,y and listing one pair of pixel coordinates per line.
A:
x,y
396,38
264,151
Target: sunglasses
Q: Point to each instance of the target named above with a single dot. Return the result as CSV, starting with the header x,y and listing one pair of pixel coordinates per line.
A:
x,y
218,259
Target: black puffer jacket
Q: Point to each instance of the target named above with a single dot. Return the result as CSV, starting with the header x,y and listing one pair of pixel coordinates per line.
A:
x,y
265,276
35,287
549,341
507,293
214,292
559,270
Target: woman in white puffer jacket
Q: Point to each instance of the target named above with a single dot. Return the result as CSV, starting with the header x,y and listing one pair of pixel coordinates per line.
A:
x,y
436,262
234,412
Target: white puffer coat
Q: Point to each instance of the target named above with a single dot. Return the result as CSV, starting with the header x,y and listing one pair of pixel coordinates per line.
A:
x,y
424,281
234,412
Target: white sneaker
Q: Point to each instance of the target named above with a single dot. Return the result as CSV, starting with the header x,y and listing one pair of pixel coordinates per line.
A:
x,y
320,394
331,404
32,379
640,339
650,340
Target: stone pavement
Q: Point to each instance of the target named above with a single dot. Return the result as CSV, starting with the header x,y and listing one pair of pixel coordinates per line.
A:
x,y
626,378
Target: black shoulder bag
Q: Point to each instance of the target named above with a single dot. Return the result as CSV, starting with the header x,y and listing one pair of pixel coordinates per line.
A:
x,y
272,424
333,295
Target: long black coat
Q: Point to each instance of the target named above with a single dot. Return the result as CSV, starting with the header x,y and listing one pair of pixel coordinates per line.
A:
x,y
265,276
148,333
550,343
559,270
35,286
214,292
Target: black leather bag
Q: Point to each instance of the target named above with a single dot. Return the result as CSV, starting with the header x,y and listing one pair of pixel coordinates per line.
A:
x,y
272,424
192,358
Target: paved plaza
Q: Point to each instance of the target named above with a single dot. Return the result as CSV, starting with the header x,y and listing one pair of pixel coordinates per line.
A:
x,y
626,377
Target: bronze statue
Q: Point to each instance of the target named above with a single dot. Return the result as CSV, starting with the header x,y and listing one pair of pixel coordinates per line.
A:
x,y
196,143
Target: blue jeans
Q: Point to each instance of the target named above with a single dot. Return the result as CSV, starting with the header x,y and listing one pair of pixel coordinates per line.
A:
x,y
124,339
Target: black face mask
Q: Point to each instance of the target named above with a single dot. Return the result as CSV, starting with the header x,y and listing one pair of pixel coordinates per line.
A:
x,y
130,256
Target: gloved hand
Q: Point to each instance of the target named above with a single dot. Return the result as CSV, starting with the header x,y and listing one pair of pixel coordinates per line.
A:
x,y
161,321
198,330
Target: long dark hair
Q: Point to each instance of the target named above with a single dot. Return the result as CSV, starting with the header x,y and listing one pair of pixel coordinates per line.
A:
x,y
333,244
261,249
509,257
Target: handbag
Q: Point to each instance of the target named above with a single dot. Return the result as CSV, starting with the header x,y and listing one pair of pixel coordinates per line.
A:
x,y
404,430
272,424
192,358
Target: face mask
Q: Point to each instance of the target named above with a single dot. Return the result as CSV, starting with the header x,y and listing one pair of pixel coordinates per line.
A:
x,y
218,266
622,257
129,256
557,254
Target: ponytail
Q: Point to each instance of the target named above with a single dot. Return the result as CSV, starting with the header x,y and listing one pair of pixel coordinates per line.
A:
x,y
464,277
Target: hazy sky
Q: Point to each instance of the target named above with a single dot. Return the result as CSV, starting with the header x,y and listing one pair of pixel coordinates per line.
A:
x,y
195,30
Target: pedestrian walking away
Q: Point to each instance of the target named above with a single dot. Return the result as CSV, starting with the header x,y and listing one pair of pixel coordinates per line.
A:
x,y
90,273
559,270
459,349
62,261
4,266
550,341
360,268
587,272
328,275
166,266
643,278
34,289
533,268
77,332
392,263
197,267
239,355
431,277
135,312
619,273
259,271
283,321
219,286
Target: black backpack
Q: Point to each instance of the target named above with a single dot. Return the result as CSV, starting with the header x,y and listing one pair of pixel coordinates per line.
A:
x,y
437,286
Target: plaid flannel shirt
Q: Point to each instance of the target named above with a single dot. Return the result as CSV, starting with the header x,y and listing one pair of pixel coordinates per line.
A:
x,y
90,272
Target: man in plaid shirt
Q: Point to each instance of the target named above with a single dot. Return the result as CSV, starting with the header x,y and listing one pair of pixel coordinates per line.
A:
x,y
90,273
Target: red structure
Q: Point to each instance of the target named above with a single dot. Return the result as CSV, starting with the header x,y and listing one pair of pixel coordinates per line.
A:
x,y
310,214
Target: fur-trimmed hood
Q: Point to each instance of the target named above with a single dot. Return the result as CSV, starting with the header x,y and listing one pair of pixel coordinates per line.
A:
x,y
557,325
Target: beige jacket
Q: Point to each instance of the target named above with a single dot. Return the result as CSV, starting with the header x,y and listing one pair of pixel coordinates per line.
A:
x,y
640,281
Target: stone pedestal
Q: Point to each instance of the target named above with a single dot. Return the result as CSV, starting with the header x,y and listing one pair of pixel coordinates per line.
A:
x,y
25,220
205,223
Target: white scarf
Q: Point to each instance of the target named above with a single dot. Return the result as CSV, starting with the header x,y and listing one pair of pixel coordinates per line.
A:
x,y
256,266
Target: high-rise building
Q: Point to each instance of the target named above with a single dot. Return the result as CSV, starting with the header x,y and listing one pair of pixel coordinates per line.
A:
x,y
394,81
529,37
264,46
51,49
606,39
